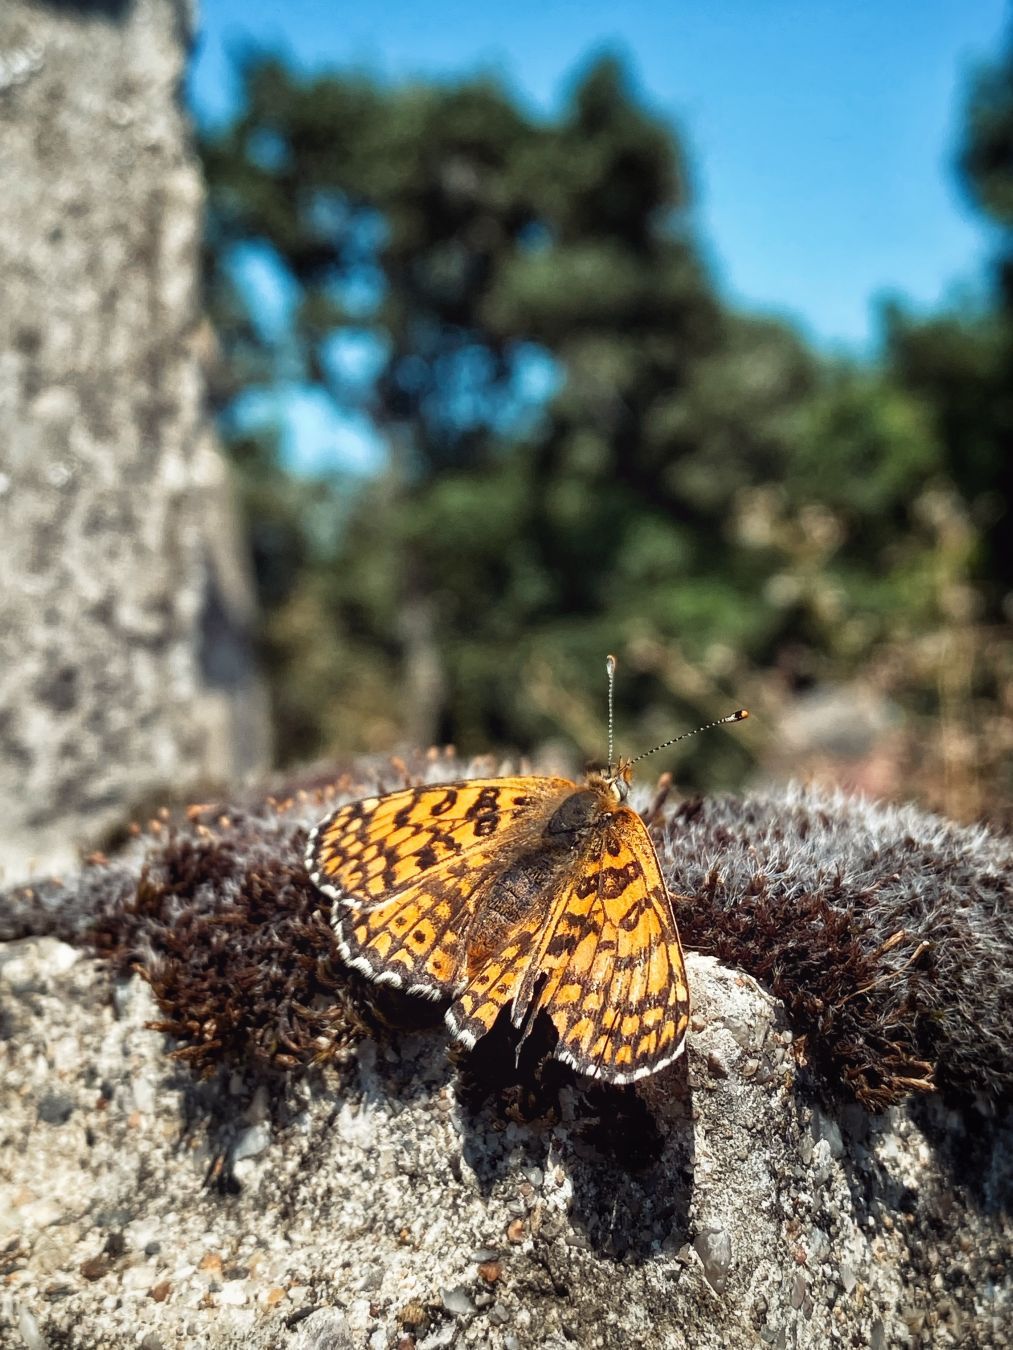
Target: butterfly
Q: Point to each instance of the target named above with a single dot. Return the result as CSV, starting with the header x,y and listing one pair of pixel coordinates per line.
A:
x,y
536,894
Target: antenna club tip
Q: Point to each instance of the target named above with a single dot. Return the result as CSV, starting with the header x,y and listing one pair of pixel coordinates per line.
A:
x,y
741,715
610,664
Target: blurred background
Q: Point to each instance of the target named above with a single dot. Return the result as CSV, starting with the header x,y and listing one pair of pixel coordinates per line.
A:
x,y
683,332
366,378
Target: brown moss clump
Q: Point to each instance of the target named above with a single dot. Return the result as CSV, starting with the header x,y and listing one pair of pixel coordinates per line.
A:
x,y
236,944
818,961
887,933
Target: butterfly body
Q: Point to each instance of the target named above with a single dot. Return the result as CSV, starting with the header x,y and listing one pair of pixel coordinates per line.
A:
x,y
536,894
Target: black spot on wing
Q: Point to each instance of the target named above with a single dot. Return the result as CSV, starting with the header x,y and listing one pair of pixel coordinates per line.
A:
x,y
426,857
487,801
446,802
615,880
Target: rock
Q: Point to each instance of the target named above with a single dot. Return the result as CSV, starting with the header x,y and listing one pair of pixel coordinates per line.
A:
x,y
698,1165
125,668
138,1278
325,1329
714,1248
55,1108
418,1195
458,1301
252,1141
24,969
28,1329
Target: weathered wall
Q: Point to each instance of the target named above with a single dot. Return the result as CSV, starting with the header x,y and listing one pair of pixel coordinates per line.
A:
x,y
124,662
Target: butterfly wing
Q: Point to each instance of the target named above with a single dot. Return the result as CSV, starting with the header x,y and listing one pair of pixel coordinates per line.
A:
x,y
489,989
407,871
615,980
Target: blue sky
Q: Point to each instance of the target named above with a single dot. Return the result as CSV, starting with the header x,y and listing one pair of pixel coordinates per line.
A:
x,y
821,131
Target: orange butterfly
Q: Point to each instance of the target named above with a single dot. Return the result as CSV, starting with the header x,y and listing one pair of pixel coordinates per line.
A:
x,y
538,893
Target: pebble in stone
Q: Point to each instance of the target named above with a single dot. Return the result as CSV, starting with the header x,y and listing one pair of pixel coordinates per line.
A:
x,y
143,1090
714,1248
234,1293
139,1277
29,1329
445,1335
55,1108
481,1254
324,1329
252,1142
27,965
823,1127
458,1301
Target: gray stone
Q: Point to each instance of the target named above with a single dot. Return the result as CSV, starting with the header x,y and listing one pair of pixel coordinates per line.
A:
x,y
25,968
28,1329
720,1242
252,1142
458,1301
124,606
324,1329
55,1108
714,1248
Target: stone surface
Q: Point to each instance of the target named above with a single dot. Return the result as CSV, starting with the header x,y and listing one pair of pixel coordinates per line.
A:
x,y
400,1204
341,1177
124,608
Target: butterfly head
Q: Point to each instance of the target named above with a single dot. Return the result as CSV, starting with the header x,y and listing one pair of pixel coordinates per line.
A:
x,y
618,780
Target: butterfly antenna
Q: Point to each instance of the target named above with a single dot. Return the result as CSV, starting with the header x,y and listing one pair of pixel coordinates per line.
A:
x,y
739,716
610,669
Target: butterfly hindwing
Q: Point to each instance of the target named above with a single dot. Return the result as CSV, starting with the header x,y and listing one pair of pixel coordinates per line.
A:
x,y
489,990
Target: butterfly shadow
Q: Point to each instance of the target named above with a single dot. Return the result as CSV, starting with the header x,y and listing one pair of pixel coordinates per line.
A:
x,y
620,1158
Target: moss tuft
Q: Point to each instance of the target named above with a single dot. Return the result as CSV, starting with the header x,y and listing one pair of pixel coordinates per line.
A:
x,y
236,944
887,933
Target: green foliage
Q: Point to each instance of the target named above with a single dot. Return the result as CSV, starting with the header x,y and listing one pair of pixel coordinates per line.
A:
x,y
700,492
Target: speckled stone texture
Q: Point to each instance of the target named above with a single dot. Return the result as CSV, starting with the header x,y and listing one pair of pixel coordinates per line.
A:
x,y
124,606
720,1211
406,1195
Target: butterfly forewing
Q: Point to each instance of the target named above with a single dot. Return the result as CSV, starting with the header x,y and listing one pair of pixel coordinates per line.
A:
x,y
372,849
408,871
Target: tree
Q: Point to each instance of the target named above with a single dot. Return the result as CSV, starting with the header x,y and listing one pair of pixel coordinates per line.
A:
x,y
959,365
585,448
470,248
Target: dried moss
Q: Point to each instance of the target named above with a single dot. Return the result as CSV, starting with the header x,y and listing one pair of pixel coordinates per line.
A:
x,y
887,933
236,944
